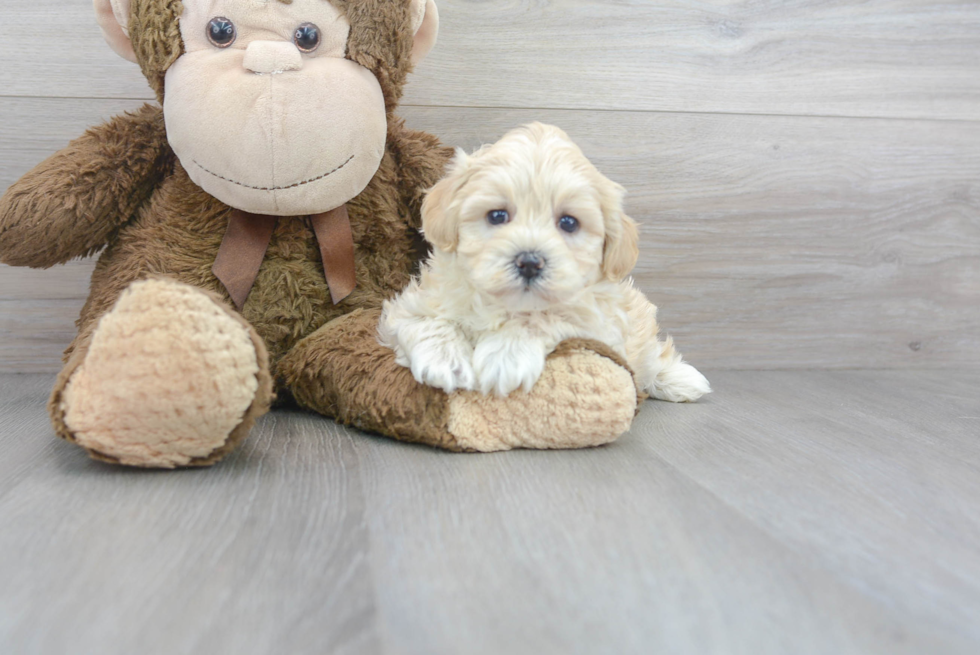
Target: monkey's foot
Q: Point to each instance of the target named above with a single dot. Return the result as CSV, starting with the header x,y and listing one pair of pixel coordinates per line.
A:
x,y
170,378
585,397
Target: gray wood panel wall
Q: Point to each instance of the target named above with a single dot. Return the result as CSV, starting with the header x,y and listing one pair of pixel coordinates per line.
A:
x,y
807,173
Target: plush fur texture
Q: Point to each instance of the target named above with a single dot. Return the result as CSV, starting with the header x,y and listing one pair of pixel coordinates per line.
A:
x,y
575,385
116,390
75,202
133,397
120,188
587,390
477,318
154,29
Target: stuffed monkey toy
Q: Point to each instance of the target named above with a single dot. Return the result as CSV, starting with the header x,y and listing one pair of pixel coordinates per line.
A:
x,y
250,227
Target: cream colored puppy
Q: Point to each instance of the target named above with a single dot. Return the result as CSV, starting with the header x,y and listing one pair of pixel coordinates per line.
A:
x,y
530,247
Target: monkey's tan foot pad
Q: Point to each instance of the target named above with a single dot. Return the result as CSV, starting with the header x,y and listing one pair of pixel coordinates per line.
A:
x,y
585,397
171,378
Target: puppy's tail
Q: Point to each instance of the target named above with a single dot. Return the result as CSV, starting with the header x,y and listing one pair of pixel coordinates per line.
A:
x,y
676,380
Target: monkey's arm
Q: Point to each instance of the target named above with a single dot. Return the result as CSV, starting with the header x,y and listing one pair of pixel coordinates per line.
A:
x,y
69,205
422,162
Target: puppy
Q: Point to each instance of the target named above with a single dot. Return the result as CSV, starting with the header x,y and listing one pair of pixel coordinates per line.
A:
x,y
530,247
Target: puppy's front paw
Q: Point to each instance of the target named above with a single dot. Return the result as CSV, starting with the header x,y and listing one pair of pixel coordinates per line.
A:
x,y
444,365
503,365
680,383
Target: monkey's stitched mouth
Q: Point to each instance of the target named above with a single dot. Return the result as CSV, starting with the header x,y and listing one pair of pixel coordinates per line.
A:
x,y
273,188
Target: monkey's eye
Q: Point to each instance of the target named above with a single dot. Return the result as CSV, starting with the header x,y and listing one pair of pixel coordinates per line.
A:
x,y
221,32
497,217
568,224
307,37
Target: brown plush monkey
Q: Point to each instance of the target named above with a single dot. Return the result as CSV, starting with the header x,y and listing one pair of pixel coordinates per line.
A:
x,y
275,176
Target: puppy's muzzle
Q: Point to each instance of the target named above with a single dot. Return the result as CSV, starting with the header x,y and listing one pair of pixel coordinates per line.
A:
x,y
529,265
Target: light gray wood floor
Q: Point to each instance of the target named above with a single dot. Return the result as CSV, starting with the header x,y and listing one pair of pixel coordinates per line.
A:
x,y
790,512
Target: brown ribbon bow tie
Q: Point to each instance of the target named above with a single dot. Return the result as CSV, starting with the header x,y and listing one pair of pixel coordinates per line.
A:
x,y
247,239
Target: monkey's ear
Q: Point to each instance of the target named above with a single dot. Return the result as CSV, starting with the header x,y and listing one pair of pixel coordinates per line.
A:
x,y
425,24
113,17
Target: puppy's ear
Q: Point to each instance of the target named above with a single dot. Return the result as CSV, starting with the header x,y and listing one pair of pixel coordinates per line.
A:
x,y
622,247
439,224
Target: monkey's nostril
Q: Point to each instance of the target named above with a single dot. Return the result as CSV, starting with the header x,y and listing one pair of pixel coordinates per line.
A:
x,y
529,265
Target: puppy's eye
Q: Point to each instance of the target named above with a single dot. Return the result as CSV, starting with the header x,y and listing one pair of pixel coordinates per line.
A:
x,y
498,217
307,37
569,224
221,32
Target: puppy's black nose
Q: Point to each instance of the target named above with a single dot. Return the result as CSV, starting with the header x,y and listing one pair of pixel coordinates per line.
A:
x,y
529,265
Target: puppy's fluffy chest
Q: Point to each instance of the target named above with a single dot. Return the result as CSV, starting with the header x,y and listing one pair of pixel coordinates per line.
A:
x,y
593,315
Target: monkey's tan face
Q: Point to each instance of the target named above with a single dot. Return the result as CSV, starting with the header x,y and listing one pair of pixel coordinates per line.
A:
x,y
265,113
